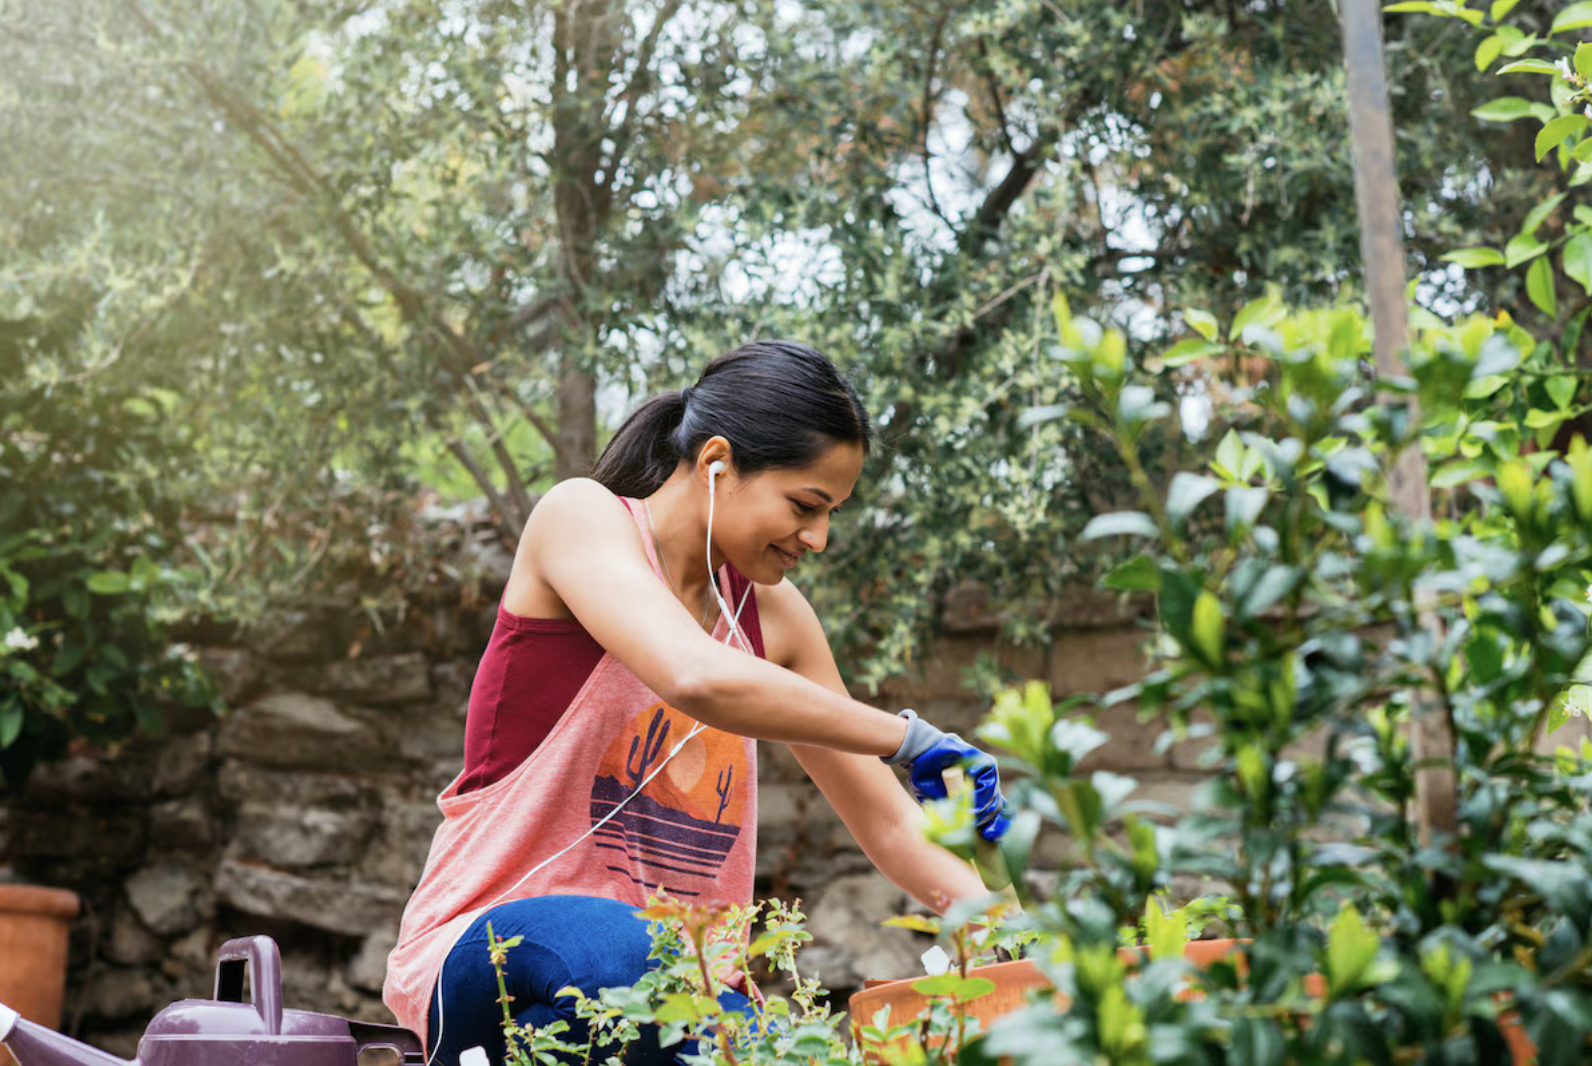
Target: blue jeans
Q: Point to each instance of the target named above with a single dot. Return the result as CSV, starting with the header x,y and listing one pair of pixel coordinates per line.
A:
x,y
585,941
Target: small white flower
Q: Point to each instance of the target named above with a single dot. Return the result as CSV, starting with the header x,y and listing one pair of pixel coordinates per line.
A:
x,y
1587,111
18,640
1564,68
936,961
1589,594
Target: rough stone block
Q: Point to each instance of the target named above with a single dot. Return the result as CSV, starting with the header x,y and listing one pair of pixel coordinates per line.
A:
x,y
181,762
130,944
240,783
375,680
1095,661
294,837
179,825
300,731
849,945
235,671
368,968
427,737
92,779
1132,747
349,909
1189,753
113,994
77,832
167,897
397,854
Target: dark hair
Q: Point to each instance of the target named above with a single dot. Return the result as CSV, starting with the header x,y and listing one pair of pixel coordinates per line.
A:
x,y
778,403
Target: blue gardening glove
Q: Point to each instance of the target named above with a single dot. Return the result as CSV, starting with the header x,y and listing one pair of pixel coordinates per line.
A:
x,y
927,753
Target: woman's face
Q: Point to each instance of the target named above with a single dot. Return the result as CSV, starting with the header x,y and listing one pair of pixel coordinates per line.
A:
x,y
767,522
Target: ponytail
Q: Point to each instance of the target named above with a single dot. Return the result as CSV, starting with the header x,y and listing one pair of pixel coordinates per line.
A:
x,y
642,455
778,403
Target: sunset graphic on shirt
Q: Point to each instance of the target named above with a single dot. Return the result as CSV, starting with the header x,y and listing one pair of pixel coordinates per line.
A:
x,y
681,827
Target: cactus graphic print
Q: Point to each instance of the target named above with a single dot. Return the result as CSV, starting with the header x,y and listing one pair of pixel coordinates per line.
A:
x,y
687,812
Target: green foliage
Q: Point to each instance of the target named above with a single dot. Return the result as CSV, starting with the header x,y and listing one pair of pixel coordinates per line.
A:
x,y
378,249
676,1003
1313,632
86,527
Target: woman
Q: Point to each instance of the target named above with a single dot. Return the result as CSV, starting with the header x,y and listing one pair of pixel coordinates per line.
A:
x,y
646,639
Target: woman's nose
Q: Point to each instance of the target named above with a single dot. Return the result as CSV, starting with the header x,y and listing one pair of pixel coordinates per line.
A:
x,y
816,536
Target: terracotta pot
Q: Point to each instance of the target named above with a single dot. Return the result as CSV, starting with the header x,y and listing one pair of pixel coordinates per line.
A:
x,y
33,934
1015,980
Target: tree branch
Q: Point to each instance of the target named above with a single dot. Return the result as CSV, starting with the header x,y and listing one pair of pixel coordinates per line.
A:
x,y
927,116
995,96
639,82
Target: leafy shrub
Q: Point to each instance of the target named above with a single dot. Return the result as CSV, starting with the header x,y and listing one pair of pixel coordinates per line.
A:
x,y
86,524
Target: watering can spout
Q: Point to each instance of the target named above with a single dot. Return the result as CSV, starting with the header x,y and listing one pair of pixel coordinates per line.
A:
x,y
34,1045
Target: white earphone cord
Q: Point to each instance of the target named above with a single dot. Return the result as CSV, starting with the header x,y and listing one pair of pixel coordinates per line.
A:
x,y
735,633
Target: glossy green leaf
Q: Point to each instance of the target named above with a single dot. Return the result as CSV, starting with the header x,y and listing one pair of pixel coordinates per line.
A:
x,y
1488,51
1120,524
1577,16
1187,351
1138,574
1459,472
1165,930
11,718
1583,59
1561,389
1186,492
1522,248
1244,506
1503,109
1201,322
1539,213
1207,628
1529,66
1540,287
959,988
1501,8
1351,947
1264,311
1472,258
1536,418
1578,259
109,583
1556,132
1579,458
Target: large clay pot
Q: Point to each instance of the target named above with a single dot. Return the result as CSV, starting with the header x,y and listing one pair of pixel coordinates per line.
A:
x,y
33,935
1015,980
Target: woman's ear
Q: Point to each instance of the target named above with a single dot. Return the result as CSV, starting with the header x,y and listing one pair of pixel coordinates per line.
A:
x,y
714,459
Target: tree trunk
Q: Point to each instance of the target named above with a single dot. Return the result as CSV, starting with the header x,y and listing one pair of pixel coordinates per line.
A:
x,y
577,421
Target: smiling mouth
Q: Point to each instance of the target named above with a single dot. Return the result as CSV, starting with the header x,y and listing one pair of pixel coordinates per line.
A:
x,y
787,558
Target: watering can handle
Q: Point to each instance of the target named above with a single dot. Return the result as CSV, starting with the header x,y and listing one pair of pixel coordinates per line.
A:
x,y
265,977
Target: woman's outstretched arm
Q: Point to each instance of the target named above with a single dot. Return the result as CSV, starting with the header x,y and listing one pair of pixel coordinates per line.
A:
x,y
886,822
581,552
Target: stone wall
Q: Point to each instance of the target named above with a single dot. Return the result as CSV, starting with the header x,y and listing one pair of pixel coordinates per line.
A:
x,y
306,812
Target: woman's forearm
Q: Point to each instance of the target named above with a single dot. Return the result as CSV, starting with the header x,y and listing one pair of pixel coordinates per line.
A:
x,y
741,694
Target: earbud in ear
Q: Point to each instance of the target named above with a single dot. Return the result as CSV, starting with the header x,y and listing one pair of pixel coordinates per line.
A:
x,y
715,468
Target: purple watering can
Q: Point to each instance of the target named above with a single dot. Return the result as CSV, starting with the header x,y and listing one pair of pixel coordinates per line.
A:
x,y
226,1031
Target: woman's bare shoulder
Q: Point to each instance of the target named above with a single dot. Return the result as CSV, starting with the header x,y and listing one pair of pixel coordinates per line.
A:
x,y
787,620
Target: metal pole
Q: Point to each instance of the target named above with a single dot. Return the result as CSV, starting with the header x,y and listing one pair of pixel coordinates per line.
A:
x,y
1376,193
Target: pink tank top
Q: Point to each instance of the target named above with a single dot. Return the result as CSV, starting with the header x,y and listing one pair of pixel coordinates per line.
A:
x,y
669,804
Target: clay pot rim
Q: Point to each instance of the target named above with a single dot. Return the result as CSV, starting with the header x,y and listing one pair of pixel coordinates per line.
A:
x,y
36,899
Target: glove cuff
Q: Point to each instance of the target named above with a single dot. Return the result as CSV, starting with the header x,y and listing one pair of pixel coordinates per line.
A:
x,y
921,736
